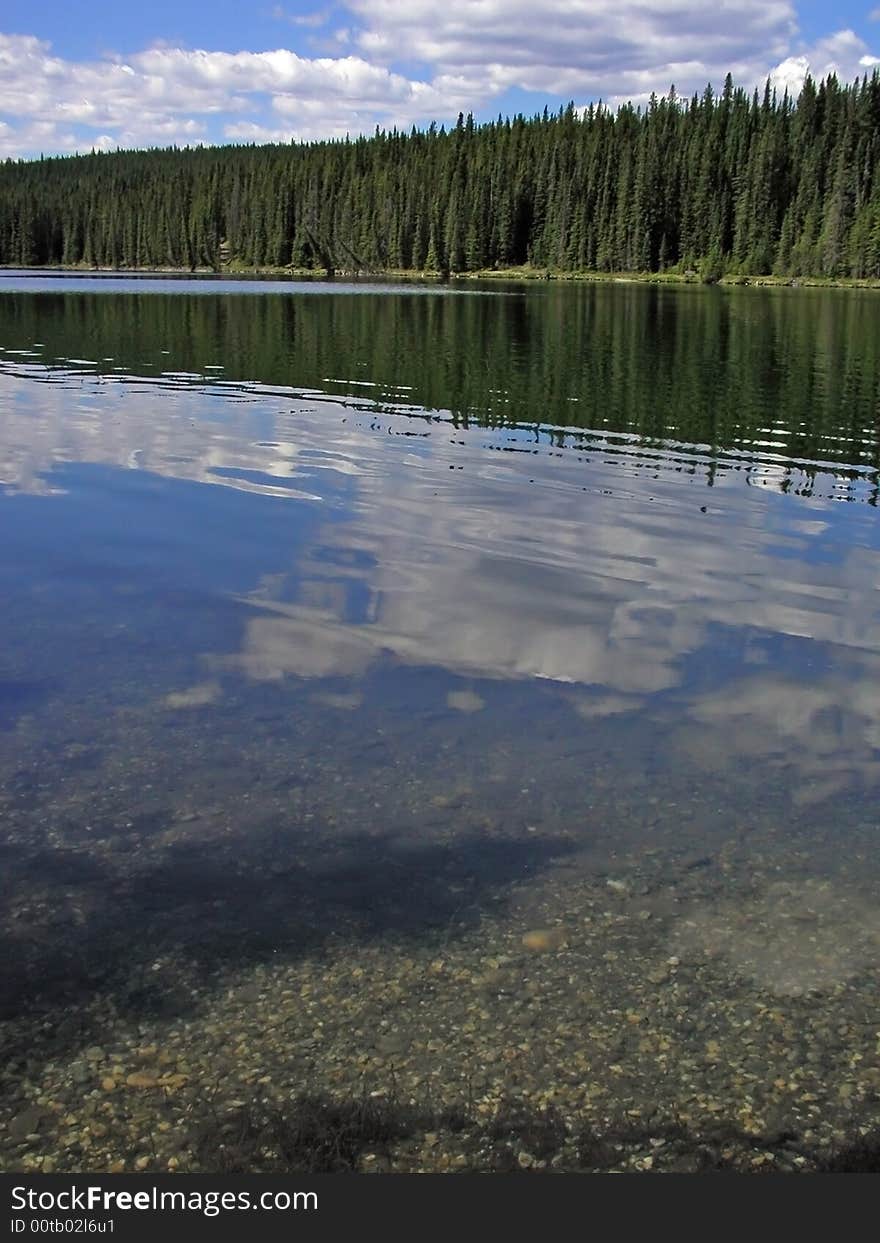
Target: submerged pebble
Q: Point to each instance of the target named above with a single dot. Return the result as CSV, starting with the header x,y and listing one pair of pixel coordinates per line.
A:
x,y
465,701
542,940
194,696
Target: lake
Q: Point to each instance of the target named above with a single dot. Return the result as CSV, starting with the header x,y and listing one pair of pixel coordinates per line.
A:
x,y
444,717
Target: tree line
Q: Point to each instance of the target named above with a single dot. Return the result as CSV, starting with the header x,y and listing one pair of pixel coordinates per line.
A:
x,y
729,182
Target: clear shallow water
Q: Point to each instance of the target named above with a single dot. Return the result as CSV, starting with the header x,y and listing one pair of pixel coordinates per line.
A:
x,y
346,641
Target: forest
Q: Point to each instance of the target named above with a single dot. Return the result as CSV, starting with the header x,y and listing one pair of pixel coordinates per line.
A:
x,y
719,184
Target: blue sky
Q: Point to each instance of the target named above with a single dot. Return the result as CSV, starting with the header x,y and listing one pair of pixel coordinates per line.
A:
x,y
74,77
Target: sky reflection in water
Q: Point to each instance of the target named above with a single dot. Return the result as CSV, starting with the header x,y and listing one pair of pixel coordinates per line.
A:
x,y
607,571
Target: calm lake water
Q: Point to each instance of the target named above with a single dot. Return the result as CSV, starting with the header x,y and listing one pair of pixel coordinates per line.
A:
x,y
460,699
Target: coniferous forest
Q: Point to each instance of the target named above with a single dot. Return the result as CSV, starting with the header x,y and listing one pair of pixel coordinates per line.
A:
x,y
721,183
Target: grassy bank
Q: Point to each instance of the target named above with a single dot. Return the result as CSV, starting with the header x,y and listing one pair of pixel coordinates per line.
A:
x,y
523,273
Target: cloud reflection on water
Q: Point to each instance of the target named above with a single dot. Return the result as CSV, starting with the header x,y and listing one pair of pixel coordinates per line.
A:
x,y
596,571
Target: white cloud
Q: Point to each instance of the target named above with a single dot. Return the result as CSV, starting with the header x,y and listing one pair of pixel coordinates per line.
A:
x,y
249,131
36,136
790,74
160,95
582,47
843,53
311,20
238,74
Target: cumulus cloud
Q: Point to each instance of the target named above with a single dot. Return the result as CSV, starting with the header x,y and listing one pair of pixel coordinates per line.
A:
x,y
843,53
35,136
163,94
250,131
404,63
585,47
790,74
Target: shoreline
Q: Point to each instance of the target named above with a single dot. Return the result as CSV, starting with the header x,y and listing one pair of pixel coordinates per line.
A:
x,y
518,274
